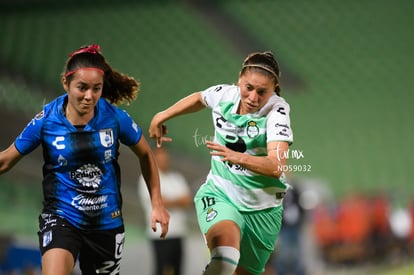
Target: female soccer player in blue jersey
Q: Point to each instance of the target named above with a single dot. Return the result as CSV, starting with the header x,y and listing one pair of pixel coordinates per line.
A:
x,y
239,207
80,133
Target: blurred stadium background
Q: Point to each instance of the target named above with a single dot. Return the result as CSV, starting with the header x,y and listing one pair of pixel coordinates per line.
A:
x,y
346,72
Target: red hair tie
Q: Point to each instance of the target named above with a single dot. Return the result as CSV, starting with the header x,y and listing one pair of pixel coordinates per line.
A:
x,y
94,49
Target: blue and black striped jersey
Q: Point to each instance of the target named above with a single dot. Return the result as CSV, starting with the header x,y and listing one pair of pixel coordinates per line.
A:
x,y
81,174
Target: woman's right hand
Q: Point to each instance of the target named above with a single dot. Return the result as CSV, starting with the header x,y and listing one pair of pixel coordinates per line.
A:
x,y
158,130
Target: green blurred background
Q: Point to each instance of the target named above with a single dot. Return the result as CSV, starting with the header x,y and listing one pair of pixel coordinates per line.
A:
x,y
346,72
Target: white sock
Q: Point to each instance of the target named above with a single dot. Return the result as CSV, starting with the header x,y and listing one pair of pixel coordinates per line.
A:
x,y
223,261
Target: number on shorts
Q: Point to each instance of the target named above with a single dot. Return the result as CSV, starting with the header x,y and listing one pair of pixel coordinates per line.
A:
x,y
208,201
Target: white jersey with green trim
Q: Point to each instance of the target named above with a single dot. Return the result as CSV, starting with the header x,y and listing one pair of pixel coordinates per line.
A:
x,y
249,133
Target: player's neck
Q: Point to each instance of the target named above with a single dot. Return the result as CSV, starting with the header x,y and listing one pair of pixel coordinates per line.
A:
x,y
77,118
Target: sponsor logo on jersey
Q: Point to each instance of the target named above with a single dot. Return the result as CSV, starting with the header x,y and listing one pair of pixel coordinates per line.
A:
x,y
107,137
281,110
283,133
58,143
88,175
90,204
115,214
282,129
108,155
285,126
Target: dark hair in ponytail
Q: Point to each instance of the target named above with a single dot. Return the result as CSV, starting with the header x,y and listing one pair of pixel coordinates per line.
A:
x,y
118,87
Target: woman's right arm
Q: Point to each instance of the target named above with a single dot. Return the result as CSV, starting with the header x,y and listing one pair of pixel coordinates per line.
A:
x,y
190,104
8,158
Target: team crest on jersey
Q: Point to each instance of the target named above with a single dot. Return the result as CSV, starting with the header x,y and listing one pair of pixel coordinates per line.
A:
x,y
252,129
211,214
107,137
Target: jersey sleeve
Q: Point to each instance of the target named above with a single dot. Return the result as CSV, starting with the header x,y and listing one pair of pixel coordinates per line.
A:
x,y
31,135
212,96
129,132
278,124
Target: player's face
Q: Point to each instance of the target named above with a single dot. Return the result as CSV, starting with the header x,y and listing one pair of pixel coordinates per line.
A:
x,y
84,90
255,90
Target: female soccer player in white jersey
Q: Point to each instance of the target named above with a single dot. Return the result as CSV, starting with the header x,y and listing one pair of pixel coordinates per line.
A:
x,y
80,132
239,207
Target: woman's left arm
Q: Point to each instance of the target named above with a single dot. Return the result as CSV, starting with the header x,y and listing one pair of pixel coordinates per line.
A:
x,y
270,165
149,170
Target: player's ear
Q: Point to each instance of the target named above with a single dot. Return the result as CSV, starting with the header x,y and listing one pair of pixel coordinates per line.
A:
x,y
65,83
